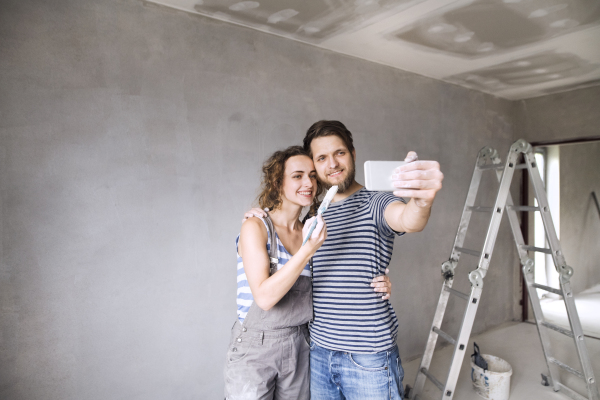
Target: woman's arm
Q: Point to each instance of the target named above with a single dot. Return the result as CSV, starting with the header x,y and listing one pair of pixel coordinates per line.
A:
x,y
267,291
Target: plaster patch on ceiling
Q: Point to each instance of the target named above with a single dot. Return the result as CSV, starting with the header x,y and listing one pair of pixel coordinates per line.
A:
x,y
282,15
487,26
310,21
242,5
533,70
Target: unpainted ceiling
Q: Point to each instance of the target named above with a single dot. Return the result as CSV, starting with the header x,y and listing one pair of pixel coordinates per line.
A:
x,y
514,49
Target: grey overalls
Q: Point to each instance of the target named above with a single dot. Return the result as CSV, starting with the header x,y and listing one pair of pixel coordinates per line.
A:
x,y
268,355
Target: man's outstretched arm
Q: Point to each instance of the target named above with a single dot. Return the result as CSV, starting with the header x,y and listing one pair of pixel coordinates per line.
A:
x,y
380,283
419,180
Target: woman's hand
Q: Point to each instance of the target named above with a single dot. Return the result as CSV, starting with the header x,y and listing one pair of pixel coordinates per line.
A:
x,y
318,236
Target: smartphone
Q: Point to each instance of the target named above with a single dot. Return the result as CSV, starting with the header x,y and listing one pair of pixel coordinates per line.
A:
x,y
378,175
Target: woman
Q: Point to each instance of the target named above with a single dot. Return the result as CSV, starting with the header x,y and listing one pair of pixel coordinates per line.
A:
x,y
268,354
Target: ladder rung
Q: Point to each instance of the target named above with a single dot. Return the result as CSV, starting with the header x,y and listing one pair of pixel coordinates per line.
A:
x,y
566,367
480,209
547,288
539,249
457,293
432,378
468,251
491,166
444,335
524,208
558,329
501,166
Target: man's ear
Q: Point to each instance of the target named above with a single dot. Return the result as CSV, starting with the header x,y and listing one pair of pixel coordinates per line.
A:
x,y
354,155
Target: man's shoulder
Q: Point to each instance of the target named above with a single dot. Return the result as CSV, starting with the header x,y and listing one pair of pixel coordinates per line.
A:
x,y
367,196
369,199
366,200
381,198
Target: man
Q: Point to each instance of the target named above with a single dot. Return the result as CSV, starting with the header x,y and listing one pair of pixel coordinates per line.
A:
x,y
354,354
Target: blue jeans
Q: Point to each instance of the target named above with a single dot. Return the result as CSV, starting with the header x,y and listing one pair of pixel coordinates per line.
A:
x,y
338,375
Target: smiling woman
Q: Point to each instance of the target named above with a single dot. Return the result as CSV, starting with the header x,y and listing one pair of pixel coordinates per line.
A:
x,y
273,177
268,354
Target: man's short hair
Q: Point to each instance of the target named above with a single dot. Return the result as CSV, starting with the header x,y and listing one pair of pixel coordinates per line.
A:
x,y
328,128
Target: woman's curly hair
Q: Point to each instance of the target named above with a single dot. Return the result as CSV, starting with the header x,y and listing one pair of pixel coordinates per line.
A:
x,y
272,179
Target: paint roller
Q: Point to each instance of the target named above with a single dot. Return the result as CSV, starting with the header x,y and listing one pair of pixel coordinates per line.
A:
x,y
322,208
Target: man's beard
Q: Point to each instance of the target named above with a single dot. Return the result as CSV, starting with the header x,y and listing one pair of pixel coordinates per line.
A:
x,y
345,185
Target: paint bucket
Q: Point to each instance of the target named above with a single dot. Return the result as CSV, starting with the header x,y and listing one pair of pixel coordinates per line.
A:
x,y
494,383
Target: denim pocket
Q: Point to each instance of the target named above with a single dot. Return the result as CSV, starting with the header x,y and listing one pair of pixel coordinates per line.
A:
x,y
312,345
400,370
370,362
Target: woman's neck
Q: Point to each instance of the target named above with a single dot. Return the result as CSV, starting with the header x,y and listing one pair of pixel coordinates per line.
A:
x,y
287,216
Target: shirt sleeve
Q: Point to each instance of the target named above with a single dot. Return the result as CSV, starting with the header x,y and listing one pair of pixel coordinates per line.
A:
x,y
379,203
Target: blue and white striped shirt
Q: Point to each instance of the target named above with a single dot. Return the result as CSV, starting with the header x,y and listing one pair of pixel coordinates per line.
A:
x,y
244,295
349,314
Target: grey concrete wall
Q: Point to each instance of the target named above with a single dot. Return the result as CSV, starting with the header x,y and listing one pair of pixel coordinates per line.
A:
x,y
579,217
561,116
131,139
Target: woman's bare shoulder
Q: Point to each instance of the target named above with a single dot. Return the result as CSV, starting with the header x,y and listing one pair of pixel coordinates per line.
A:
x,y
253,233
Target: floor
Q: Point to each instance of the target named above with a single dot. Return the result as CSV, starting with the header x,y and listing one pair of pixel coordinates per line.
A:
x,y
588,304
518,343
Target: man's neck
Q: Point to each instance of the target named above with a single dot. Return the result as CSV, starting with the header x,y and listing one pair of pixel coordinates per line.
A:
x,y
355,187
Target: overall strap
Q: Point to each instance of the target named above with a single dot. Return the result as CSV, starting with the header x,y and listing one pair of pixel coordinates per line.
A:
x,y
273,257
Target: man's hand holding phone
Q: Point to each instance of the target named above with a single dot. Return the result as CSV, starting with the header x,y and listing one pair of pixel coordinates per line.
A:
x,y
418,179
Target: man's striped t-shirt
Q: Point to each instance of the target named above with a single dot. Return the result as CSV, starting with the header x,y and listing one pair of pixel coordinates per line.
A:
x,y
348,314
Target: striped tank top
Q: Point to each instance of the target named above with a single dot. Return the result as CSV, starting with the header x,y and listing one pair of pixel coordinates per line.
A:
x,y
244,295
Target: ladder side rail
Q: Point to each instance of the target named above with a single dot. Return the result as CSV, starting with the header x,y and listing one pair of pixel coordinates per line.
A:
x,y
476,276
462,341
515,228
448,281
579,339
542,199
496,218
513,219
554,377
469,202
533,298
571,393
431,342
565,273
528,264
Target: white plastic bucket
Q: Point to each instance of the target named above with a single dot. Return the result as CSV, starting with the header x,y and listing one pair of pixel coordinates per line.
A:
x,y
493,383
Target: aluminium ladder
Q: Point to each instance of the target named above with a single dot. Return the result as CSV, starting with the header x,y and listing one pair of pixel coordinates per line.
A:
x,y
488,159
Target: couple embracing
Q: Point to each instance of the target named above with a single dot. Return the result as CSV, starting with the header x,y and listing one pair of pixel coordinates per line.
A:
x,y
312,322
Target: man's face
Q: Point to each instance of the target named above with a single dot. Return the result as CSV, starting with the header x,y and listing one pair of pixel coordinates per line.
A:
x,y
333,162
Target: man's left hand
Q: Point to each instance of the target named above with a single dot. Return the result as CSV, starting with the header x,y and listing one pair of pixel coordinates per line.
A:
x,y
382,284
419,180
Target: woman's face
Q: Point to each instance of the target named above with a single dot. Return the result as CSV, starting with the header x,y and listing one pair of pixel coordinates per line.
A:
x,y
299,181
